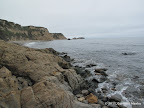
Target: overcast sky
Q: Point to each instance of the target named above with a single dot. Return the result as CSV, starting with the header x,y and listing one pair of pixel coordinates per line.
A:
x,y
78,17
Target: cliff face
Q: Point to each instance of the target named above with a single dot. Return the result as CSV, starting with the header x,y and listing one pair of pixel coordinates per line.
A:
x,y
13,32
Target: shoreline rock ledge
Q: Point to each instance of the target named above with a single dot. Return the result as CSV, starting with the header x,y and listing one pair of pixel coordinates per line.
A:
x,y
32,78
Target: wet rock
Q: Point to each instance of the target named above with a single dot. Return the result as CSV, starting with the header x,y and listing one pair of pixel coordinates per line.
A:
x,y
67,58
91,90
91,85
101,72
62,53
129,53
104,98
114,89
90,65
81,99
104,90
99,79
85,92
115,98
80,70
136,77
92,98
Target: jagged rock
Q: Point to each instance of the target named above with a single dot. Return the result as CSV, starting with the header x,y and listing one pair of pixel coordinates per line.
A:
x,y
66,58
34,79
28,62
73,79
80,70
92,98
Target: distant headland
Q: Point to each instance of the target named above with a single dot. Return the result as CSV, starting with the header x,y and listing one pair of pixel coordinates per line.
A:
x,y
10,31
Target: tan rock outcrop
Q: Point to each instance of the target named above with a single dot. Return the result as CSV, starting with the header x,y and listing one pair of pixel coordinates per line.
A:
x,y
33,78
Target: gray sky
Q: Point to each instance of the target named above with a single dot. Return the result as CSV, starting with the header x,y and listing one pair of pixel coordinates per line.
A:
x,y
78,17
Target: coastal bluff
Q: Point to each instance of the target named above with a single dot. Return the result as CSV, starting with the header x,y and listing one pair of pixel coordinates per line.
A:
x,y
9,31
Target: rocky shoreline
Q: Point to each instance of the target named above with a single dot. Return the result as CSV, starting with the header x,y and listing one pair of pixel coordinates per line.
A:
x,y
45,78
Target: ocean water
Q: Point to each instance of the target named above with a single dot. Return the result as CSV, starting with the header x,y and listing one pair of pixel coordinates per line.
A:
x,y
125,71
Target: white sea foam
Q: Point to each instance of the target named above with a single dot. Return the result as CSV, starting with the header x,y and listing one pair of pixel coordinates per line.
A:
x,y
30,44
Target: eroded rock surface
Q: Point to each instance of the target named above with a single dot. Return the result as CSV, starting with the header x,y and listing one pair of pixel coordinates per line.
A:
x,y
31,78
